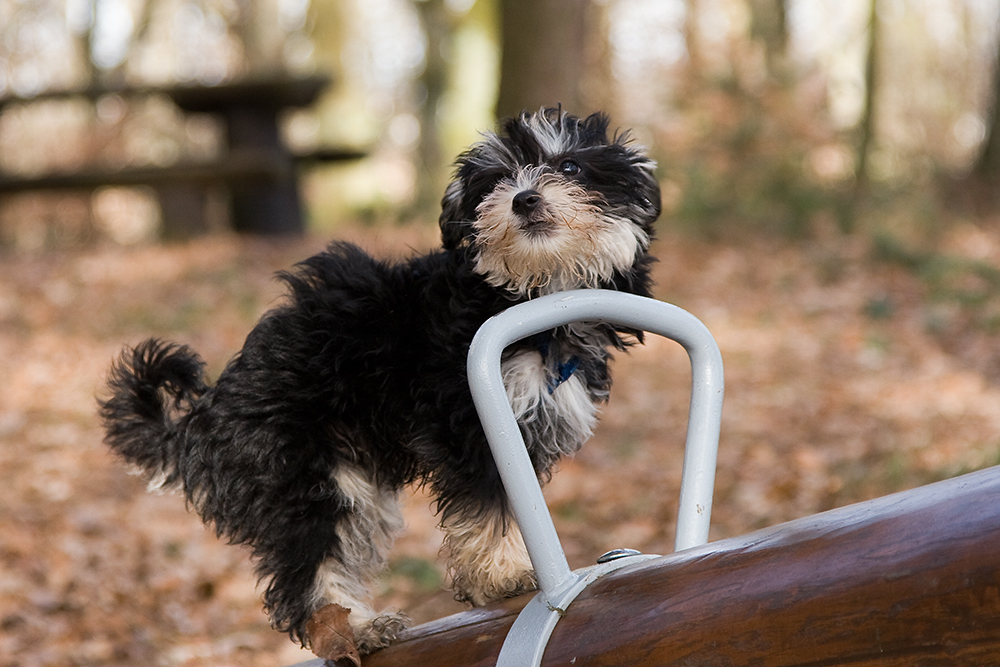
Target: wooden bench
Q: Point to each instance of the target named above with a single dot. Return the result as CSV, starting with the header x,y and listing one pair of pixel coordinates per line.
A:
x,y
259,171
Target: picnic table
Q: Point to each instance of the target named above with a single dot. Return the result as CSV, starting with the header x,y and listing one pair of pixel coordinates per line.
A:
x,y
259,171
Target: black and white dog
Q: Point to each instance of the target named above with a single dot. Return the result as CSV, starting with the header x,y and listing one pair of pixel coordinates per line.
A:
x,y
356,386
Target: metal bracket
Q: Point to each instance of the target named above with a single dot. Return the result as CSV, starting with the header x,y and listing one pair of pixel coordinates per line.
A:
x,y
558,586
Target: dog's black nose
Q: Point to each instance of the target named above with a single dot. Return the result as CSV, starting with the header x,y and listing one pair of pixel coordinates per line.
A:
x,y
526,202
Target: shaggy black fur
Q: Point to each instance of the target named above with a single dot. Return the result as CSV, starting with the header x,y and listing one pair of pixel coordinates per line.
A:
x,y
365,363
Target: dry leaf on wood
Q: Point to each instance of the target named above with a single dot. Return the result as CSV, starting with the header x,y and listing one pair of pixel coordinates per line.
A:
x,y
331,636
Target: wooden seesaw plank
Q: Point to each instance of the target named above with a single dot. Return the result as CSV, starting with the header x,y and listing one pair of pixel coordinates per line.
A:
x,y
911,579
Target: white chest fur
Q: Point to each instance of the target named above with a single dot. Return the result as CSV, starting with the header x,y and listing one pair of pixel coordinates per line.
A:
x,y
555,421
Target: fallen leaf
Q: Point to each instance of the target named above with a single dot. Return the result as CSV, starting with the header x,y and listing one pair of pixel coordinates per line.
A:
x,y
331,636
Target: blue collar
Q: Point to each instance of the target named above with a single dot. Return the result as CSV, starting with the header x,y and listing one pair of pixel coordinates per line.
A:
x,y
563,369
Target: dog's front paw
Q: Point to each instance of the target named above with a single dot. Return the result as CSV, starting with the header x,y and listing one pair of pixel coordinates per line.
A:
x,y
522,582
487,562
485,587
381,631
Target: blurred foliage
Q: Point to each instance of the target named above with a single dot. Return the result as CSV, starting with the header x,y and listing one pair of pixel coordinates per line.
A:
x,y
747,164
970,286
757,110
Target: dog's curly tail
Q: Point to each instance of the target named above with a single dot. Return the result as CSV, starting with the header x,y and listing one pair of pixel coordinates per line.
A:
x,y
153,386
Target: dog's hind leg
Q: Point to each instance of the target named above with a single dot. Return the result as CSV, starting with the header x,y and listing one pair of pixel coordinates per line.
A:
x,y
366,530
326,548
487,559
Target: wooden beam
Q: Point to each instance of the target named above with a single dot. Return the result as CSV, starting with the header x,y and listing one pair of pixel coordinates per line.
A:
x,y
908,579
245,165
277,91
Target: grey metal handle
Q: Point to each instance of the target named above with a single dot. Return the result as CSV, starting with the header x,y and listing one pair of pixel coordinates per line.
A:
x,y
523,489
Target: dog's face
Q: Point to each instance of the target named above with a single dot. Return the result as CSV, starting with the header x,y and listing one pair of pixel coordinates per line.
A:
x,y
551,203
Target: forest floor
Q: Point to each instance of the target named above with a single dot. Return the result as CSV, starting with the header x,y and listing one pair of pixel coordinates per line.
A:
x,y
850,373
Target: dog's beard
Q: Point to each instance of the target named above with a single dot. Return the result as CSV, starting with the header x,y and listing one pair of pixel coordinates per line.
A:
x,y
570,241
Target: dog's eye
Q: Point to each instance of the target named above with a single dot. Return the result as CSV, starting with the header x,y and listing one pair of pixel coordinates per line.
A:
x,y
569,168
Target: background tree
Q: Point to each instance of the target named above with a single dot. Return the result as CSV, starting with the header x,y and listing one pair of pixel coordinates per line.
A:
x,y
436,21
986,170
866,127
769,24
544,54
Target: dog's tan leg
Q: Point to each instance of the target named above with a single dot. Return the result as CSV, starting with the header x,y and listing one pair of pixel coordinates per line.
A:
x,y
487,559
366,535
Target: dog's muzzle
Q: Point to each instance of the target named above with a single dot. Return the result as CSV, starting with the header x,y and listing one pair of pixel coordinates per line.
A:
x,y
529,205
526,202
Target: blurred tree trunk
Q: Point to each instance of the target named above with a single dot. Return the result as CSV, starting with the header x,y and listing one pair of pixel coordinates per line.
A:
x,y
94,75
987,167
597,86
544,54
979,188
866,127
437,25
692,38
769,24
259,29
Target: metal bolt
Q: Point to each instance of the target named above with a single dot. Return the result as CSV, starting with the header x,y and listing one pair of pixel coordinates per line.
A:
x,y
615,554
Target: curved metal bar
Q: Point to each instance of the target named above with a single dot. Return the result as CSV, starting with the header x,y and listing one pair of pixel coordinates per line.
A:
x,y
522,486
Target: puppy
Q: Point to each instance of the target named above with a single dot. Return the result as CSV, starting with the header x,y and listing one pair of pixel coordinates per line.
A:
x,y
356,386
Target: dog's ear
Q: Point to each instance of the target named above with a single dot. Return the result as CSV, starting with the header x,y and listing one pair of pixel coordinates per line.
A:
x,y
452,220
647,187
651,203
594,128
